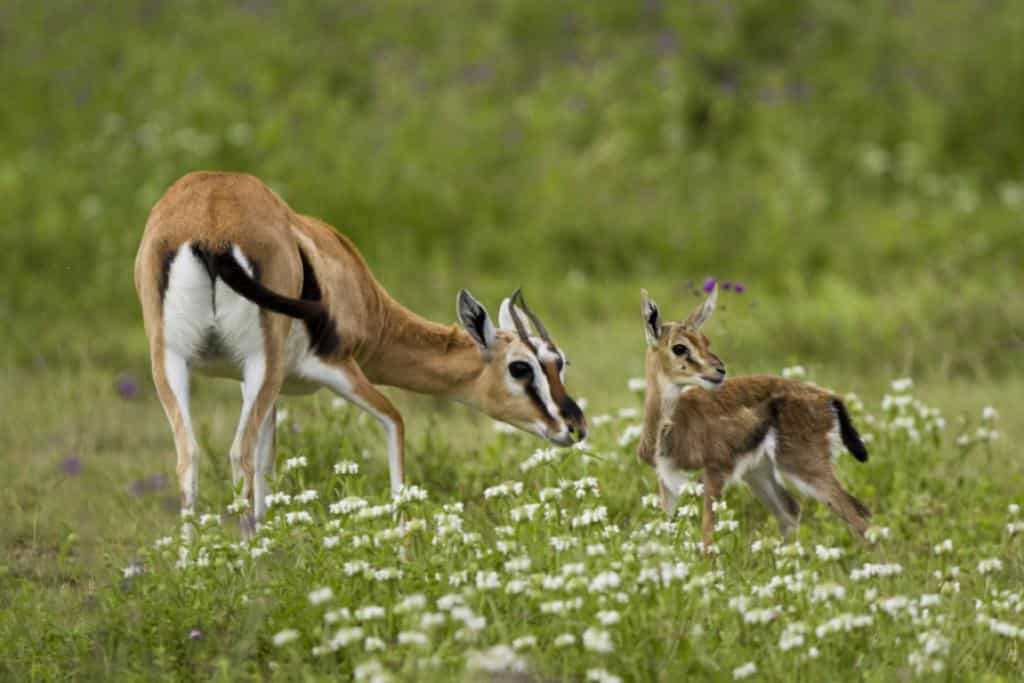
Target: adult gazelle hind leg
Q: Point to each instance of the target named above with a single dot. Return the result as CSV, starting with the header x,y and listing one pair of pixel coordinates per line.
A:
x,y
346,379
171,378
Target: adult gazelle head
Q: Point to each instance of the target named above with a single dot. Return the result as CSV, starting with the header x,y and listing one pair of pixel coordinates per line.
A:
x,y
522,382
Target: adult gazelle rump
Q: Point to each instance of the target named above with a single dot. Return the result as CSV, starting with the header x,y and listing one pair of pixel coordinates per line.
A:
x,y
234,283
755,429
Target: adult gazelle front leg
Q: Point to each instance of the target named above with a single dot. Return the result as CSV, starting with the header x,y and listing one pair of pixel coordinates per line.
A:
x,y
346,379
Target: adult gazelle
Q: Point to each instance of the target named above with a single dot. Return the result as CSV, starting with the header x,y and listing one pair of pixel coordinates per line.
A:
x,y
234,283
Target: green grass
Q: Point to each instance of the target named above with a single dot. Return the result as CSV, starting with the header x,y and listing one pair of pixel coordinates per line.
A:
x,y
68,611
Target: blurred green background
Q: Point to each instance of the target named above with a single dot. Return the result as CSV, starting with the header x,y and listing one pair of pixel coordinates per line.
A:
x,y
857,166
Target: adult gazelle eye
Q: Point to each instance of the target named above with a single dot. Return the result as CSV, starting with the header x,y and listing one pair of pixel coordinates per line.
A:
x,y
520,369
680,350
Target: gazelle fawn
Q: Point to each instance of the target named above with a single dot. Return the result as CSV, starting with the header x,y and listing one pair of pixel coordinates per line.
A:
x,y
757,430
234,283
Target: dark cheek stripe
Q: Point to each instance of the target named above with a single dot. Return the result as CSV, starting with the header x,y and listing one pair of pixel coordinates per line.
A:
x,y
568,407
531,391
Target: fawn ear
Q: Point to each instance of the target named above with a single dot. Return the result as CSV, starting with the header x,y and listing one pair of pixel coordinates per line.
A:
x,y
475,320
652,319
701,314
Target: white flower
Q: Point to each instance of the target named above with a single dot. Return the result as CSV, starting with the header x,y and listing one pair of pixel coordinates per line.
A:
x,y
1013,509
604,581
410,493
345,636
280,498
596,549
540,456
432,619
741,672
630,434
828,591
346,467
371,670
629,413
518,564
336,615
375,511
993,564
636,384
794,372
563,543
320,595
293,463
417,638
347,505
524,642
132,570
597,640
410,603
590,516
608,618
876,533
513,488
307,496
372,644
564,640
893,605
497,659
944,547
370,612
298,517
824,553
988,413
843,622
524,512
284,637
331,541
870,570
901,386
602,676
487,581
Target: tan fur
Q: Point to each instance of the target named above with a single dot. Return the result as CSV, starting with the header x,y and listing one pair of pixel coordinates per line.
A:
x,y
382,342
690,424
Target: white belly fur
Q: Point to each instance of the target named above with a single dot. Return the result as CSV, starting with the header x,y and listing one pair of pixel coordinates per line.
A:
x,y
674,478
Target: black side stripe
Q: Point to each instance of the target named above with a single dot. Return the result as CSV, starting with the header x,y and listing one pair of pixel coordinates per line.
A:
x,y
323,334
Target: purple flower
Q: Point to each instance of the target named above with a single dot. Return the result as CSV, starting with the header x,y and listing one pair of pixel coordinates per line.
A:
x,y
153,482
738,288
71,465
726,285
709,284
127,387
195,634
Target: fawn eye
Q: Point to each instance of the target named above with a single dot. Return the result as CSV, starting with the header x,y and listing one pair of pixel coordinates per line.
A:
x,y
680,350
519,369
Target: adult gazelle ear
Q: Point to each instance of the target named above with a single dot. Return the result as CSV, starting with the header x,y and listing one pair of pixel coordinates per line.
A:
x,y
652,318
701,314
475,320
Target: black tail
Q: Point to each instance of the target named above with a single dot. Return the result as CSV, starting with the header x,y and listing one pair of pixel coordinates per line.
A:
x,y
323,336
224,266
851,439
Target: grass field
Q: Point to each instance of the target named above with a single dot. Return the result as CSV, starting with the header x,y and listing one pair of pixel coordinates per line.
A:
x,y
856,166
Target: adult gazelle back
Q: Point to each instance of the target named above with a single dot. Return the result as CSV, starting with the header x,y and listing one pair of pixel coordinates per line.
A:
x,y
234,283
